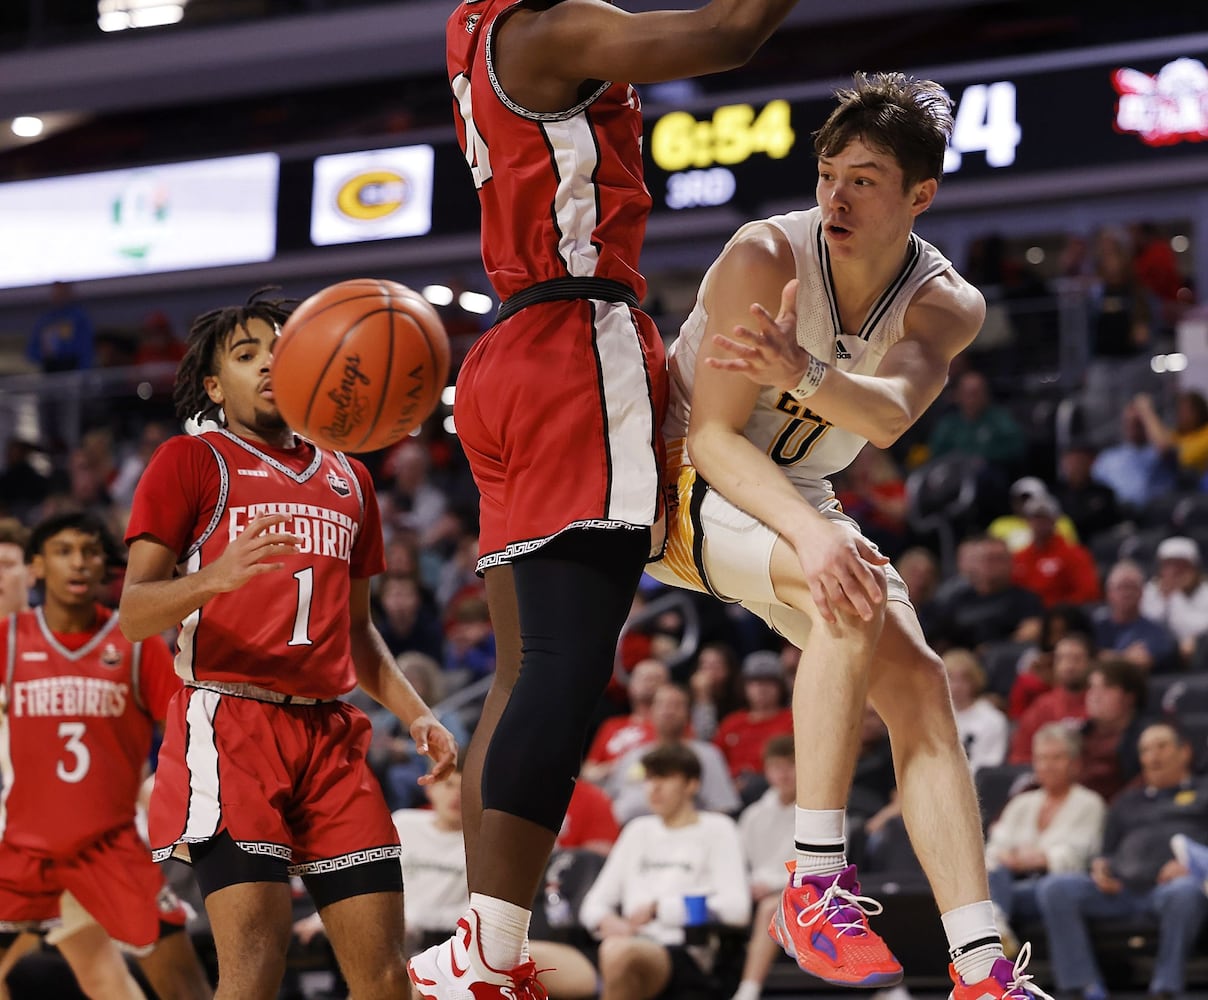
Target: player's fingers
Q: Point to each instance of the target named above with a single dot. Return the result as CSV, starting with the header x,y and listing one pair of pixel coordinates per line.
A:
x,y
869,553
822,601
259,525
865,581
852,595
275,539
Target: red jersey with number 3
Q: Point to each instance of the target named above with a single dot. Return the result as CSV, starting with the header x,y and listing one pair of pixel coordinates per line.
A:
x,y
562,193
287,629
79,711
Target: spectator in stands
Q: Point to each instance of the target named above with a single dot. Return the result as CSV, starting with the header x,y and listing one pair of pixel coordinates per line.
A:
x,y
716,688
743,733
1014,528
764,827
1120,627
421,503
621,733
1088,503
22,484
1188,438
873,491
16,577
153,434
636,907
981,726
1073,657
589,823
920,571
1058,571
1136,875
992,607
62,337
669,714
1156,268
1055,828
1034,673
980,429
1115,704
406,616
1177,596
1135,469
469,637
393,755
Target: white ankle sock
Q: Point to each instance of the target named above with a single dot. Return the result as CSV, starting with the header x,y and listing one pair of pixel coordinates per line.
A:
x,y
502,928
821,845
973,940
748,989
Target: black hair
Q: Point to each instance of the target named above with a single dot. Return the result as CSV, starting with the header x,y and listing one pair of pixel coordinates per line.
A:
x,y
1128,677
81,521
206,335
909,119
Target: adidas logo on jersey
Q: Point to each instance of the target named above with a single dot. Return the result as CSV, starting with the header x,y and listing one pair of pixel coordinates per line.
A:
x,y
841,352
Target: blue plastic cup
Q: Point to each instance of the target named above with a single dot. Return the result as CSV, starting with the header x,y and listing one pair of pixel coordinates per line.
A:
x,y
697,911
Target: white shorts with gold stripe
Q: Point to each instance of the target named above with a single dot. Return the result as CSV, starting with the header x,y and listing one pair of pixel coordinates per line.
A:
x,y
717,548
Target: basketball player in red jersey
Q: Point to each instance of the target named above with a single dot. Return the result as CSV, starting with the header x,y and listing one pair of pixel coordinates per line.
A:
x,y
262,772
558,408
80,705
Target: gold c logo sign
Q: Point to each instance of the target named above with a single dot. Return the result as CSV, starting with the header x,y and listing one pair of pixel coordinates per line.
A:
x,y
372,195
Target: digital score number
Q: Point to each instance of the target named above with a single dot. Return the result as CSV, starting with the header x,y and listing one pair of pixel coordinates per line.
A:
x,y
697,153
985,121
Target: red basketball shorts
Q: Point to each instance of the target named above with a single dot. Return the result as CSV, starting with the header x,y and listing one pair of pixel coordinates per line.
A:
x,y
114,880
560,411
287,781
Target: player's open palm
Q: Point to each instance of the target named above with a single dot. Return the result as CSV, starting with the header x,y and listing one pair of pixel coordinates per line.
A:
x,y
435,742
256,550
766,352
844,573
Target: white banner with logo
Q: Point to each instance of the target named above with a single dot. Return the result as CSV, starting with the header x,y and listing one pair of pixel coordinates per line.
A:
x,y
117,223
372,195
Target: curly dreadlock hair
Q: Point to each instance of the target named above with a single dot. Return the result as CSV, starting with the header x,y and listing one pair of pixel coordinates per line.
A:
x,y
207,334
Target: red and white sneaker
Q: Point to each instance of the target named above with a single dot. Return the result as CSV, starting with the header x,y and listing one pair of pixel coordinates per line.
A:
x,y
1006,981
823,924
456,970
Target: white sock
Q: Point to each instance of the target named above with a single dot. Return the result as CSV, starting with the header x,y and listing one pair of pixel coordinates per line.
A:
x,y
748,989
821,845
503,930
973,940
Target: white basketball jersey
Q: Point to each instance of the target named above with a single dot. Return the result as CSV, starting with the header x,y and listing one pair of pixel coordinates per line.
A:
x,y
804,445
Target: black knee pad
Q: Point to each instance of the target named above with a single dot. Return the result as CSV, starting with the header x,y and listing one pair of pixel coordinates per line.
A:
x,y
574,595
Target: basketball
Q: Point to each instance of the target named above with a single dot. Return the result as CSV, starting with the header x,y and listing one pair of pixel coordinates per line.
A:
x,y
360,364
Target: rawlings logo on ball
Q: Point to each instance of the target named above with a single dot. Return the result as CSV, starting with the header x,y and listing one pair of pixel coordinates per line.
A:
x,y
350,406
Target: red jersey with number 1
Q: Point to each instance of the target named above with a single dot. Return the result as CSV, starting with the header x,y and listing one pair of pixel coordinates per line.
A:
x,y
287,629
562,193
79,710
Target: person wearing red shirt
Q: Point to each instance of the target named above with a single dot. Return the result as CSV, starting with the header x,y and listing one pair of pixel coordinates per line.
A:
x,y
589,823
1073,658
743,734
1057,571
621,733
80,707
261,546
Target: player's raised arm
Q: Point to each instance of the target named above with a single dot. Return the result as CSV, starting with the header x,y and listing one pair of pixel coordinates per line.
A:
x,y
575,40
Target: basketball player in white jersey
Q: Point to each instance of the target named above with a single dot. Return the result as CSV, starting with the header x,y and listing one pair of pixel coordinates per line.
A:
x,y
870,316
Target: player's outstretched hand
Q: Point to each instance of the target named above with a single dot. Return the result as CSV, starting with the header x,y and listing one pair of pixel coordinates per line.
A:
x,y
768,354
257,550
435,742
844,573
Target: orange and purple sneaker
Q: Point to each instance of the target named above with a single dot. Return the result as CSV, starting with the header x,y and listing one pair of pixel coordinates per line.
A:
x,y
822,922
1007,981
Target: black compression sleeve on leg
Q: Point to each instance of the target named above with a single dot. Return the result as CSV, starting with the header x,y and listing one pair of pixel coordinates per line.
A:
x,y
574,595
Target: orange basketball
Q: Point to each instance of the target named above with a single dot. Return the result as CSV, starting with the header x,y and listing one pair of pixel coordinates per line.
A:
x,y
360,364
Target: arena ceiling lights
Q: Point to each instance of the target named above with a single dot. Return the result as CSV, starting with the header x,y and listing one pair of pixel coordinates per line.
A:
x,y
118,15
